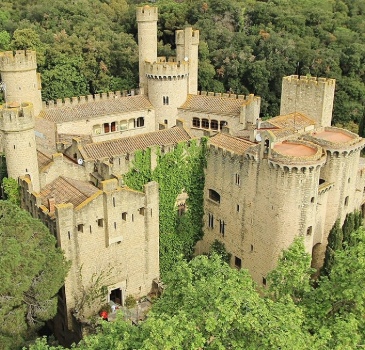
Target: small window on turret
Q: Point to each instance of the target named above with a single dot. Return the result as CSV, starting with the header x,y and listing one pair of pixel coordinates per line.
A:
x,y
165,100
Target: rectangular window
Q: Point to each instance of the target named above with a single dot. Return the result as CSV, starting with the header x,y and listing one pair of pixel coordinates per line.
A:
x,y
100,222
214,196
165,100
205,123
124,216
113,126
237,179
106,128
141,211
80,227
309,230
196,122
238,208
214,124
237,262
222,227
210,220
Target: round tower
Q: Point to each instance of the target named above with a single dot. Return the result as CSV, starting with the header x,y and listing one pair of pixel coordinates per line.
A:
x,y
285,201
187,44
147,40
20,79
343,154
167,89
17,126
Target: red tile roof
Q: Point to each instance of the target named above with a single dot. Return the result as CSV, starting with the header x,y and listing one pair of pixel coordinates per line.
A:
x,y
66,190
96,109
214,104
231,143
130,144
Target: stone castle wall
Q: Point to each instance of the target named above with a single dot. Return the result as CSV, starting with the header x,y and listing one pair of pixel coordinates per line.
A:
x,y
308,95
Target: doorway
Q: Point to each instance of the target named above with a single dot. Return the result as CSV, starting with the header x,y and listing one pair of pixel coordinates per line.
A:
x,y
116,296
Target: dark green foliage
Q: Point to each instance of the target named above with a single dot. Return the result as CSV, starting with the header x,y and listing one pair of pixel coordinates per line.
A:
x,y
340,238
246,46
11,190
181,170
347,228
335,238
208,305
32,271
219,248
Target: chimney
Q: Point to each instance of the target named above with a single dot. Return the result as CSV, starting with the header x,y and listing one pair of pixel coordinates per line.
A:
x,y
51,205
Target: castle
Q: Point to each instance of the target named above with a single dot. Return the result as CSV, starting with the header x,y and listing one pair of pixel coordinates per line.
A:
x,y
266,181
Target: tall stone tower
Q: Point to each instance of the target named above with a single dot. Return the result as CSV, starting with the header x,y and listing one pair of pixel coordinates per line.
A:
x,y
17,126
187,43
311,96
147,40
20,78
166,81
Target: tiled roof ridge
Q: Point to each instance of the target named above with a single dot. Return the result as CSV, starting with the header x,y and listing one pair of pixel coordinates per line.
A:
x,y
73,186
140,136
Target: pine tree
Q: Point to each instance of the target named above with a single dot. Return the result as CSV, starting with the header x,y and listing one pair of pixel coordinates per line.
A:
x,y
335,238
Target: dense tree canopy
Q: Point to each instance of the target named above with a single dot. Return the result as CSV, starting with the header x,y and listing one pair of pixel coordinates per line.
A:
x,y
247,46
32,270
208,305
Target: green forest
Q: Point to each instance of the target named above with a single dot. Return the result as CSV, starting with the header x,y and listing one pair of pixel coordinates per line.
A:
x,y
247,46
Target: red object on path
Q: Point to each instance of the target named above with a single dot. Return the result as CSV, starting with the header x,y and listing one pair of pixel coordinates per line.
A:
x,y
104,315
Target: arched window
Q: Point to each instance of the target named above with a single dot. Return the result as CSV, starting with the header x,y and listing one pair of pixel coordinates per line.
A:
x,y
214,124
140,122
123,125
205,123
196,122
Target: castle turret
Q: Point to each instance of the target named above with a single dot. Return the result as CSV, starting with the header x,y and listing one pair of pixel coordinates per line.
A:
x,y
187,42
17,125
147,40
311,96
19,76
167,88
284,200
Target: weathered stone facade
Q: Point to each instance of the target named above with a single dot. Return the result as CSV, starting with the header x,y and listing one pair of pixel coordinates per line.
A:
x,y
267,182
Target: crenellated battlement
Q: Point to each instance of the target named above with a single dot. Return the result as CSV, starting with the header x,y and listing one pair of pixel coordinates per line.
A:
x,y
147,13
166,70
80,100
251,98
223,153
16,117
336,140
19,60
309,81
181,34
296,152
